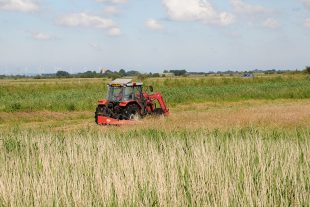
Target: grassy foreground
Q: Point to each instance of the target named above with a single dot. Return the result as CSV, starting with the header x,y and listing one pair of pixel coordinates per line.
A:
x,y
146,167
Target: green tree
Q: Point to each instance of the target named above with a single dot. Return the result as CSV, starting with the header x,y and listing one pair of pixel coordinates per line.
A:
x,y
122,72
155,75
62,74
132,73
178,72
307,69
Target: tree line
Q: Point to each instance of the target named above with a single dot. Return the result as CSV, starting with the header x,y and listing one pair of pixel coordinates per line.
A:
x,y
124,73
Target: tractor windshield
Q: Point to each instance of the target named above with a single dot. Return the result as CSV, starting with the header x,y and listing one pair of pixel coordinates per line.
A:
x,y
118,94
115,94
128,93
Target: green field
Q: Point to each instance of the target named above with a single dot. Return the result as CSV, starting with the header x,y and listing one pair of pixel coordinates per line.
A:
x,y
81,94
229,141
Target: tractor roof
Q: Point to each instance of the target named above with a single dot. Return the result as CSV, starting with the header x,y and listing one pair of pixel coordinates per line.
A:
x,y
124,82
121,81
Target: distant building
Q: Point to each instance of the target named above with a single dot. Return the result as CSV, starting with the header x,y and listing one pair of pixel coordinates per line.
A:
x,y
167,74
103,70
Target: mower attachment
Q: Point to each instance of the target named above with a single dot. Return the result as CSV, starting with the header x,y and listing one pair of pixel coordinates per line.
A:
x,y
103,120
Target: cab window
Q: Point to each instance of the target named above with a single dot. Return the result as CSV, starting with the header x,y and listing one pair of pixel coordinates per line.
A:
x,y
137,92
128,94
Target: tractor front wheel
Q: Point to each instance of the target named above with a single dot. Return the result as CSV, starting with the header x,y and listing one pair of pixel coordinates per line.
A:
x,y
132,112
158,111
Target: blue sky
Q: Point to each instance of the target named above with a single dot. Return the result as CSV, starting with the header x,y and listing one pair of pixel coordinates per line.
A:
x,y
43,36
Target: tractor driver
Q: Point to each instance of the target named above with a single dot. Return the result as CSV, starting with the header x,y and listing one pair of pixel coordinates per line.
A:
x,y
118,95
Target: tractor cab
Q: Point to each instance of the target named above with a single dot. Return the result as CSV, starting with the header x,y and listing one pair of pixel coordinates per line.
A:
x,y
123,90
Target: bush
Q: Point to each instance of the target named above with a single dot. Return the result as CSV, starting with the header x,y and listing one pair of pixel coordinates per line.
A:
x,y
307,69
71,107
11,145
178,72
142,77
155,75
16,107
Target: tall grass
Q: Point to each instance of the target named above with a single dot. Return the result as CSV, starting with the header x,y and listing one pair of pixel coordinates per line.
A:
x,y
155,167
233,89
81,95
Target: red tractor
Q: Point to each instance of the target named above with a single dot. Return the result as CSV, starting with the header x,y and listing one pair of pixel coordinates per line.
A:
x,y
126,101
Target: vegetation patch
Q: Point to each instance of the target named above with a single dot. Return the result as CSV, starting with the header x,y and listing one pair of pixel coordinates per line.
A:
x,y
228,141
247,166
61,95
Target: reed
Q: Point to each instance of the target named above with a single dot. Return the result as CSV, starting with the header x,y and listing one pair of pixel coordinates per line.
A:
x,y
145,167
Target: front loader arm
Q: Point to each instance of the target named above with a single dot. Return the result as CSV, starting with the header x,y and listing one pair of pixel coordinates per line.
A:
x,y
160,99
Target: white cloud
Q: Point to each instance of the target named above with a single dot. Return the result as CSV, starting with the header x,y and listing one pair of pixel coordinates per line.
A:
x,y
41,36
271,23
115,31
86,20
196,10
19,5
111,10
112,1
154,24
307,22
245,8
306,3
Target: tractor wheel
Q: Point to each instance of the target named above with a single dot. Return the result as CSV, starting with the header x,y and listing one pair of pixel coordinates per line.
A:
x,y
132,112
158,111
100,111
